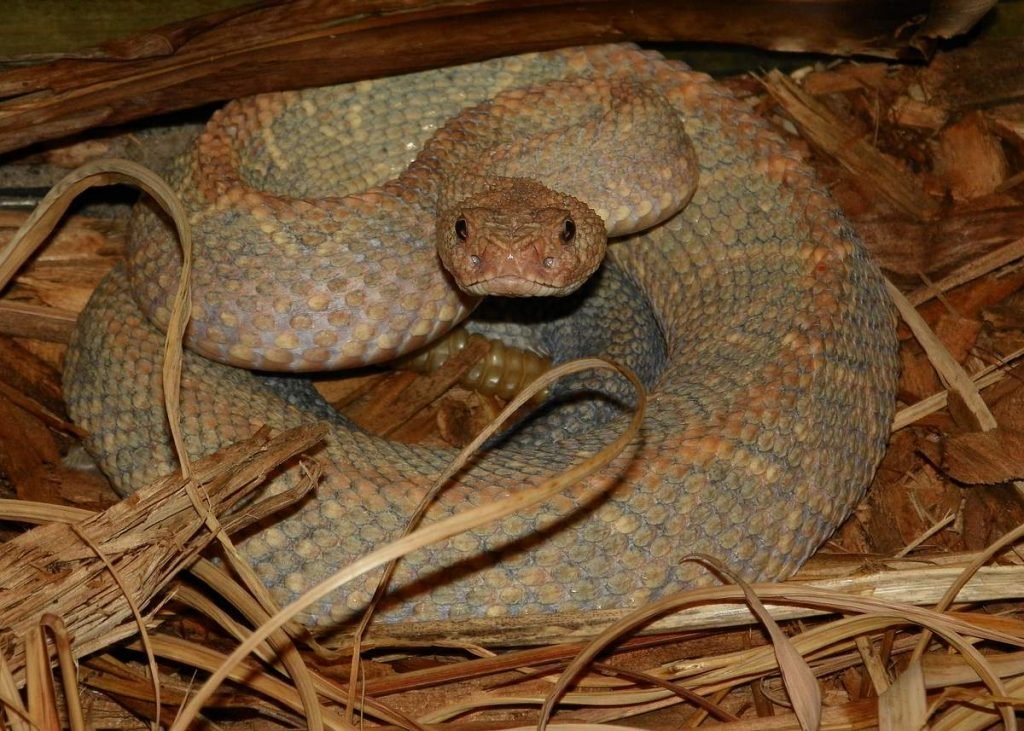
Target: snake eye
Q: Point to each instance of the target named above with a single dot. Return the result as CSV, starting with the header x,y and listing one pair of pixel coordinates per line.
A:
x,y
568,230
461,229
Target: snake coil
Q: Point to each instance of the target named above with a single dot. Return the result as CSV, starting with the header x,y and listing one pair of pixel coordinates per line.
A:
x,y
771,385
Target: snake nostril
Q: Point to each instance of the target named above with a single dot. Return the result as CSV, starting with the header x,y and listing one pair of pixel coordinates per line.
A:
x,y
474,260
549,261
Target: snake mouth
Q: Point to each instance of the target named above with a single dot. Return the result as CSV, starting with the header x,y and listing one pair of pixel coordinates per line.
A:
x,y
514,286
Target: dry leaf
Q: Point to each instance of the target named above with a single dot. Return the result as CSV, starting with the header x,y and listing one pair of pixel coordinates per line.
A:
x,y
904,704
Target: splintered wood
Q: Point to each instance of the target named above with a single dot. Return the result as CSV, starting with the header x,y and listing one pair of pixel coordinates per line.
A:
x,y
90,572
928,164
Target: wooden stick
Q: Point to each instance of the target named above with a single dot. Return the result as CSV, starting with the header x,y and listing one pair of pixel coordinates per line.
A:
x,y
277,45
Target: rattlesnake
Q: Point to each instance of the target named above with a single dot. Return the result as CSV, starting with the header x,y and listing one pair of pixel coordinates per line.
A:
x,y
772,375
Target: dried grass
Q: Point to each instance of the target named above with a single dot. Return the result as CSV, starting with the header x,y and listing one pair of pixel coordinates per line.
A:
x,y
683,650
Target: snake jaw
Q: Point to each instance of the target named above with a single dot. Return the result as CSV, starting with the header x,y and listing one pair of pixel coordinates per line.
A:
x,y
519,238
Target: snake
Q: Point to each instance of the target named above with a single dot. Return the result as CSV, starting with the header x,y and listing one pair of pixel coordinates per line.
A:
x,y
726,277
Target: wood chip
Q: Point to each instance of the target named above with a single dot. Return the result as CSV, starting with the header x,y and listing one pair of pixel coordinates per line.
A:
x,y
830,135
958,334
912,113
984,458
28,446
970,158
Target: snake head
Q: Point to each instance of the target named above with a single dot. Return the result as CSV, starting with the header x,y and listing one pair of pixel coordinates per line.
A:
x,y
518,238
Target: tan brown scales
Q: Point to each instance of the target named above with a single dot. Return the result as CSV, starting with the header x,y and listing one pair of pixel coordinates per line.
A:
x,y
770,402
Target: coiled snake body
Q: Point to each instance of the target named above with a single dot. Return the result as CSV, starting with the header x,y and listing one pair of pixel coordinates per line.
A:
x,y
754,313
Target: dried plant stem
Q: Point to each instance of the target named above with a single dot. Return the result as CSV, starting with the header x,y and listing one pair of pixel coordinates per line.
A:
x,y
986,377
449,527
951,372
970,271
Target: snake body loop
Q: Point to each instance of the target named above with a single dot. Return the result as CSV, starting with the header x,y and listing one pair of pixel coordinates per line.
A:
x,y
754,314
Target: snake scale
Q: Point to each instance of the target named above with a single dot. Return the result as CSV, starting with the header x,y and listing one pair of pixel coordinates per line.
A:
x,y
754,313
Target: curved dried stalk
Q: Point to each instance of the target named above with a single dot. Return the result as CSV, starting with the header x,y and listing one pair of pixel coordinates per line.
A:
x,y
450,526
